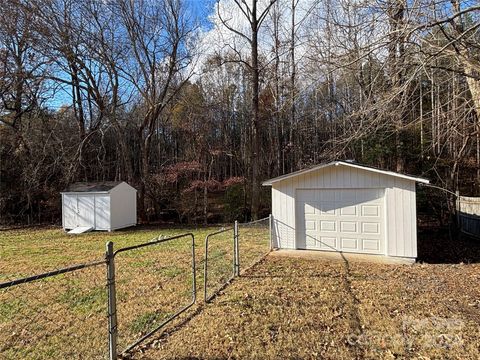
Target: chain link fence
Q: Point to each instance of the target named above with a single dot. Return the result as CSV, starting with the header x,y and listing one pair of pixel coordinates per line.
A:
x,y
230,250
99,309
254,242
154,283
59,314
107,307
219,262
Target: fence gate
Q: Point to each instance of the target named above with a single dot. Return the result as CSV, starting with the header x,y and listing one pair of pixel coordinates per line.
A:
x,y
149,285
220,263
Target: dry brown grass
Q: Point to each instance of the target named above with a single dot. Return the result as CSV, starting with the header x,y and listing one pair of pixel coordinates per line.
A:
x,y
281,308
64,317
315,308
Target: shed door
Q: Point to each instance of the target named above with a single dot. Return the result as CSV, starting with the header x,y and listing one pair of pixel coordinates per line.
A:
x,y
349,220
102,212
86,210
70,211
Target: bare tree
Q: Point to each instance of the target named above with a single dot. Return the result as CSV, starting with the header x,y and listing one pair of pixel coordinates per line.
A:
x,y
22,68
255,19
158,54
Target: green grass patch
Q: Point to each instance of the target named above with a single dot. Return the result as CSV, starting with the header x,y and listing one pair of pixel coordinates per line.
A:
x,y
10,308
85,301
147,321
172,271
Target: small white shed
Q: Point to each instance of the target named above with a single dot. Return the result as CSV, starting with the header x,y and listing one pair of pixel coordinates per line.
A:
x,y
346,207
106,206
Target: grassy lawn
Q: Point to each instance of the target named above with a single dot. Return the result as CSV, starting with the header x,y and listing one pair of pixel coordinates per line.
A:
x,y
65,316
287,308
36,250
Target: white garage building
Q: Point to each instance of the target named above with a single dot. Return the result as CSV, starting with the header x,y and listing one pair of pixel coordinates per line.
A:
x,y
106,206
346,207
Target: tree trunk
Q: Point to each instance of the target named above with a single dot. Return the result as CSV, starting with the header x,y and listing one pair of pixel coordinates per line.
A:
x,y
293,133
255,126
395,11
144,175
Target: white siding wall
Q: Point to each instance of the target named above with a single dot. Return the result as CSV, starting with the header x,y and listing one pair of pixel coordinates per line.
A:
x,y
401,225
401,218
123,206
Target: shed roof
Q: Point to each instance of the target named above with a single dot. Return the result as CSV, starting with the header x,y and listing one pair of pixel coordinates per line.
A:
x,y
344,163
104,186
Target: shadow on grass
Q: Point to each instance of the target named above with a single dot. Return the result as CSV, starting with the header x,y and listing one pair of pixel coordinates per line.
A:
x,y
168,331
444,246
352,304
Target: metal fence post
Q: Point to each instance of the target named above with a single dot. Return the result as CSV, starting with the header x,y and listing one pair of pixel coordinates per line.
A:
x,y
270,224
205,271
236,256
458,209
112,303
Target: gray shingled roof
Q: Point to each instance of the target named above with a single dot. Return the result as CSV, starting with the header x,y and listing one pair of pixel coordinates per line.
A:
x,y
92,186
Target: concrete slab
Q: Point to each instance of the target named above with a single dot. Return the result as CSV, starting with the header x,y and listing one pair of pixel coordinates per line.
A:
x,y
338,256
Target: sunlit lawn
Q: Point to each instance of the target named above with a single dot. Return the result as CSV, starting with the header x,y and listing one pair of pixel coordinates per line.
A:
x,y
307,308
38,320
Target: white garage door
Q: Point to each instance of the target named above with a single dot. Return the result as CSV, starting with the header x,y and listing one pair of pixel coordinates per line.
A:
x,y
349,220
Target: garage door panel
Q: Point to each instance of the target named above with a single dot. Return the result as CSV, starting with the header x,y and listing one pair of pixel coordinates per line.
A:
x,y
349,243
327,208
370,210
310,225
327,225
328,242
348,226
371,228
312,241
349,210
371,245
349,220
309,209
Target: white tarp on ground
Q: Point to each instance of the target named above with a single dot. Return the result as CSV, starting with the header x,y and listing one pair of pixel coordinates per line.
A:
x,y
81,230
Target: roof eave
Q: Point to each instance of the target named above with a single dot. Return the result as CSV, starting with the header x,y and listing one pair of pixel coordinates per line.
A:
x,y
270,182
85,192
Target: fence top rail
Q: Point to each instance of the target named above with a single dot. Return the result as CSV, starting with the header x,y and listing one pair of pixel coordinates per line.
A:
x,y
222,230
255,221
50,273
153,242
469,199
